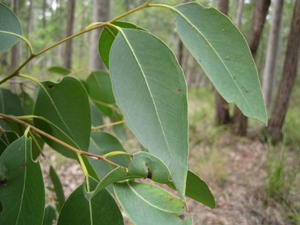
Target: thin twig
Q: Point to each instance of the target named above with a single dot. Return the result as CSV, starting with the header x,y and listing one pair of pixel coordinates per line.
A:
x,y
108,125
78,151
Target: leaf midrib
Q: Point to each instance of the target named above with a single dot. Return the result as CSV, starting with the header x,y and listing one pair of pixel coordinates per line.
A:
x,y
146,201
216,53
24,184
148,87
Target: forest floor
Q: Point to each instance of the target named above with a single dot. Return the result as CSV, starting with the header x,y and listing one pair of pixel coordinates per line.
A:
x,y
253,182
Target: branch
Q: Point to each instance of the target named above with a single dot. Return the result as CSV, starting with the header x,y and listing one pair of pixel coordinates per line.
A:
x,y
108,125
78,151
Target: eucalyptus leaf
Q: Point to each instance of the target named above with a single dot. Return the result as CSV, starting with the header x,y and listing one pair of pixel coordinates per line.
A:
x,y
59,70
198,190
142,165
64,104
50,215
99,88
146,204
107,37
58,188
6,138
223,53
22,193
8,22
9,104
96,115
99,210
150,89
102,143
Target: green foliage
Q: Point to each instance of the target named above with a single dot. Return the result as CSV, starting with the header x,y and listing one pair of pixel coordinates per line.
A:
x,y
65,105
101,209
22,188
142,84
223,56
145,84
57,186
9,23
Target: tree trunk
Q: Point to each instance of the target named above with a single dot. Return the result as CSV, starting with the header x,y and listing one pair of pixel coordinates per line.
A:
x,y
30,17
258,21
288,78
44,13
272,49
69,31
222,115
239,13
15,51
101,12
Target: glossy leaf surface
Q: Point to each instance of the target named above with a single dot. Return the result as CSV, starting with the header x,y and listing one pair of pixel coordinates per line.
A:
x,y
22,193
223,53
8,22
64,104
99,210
146,204
150,89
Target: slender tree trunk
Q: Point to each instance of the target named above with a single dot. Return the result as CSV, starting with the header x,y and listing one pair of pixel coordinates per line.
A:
x,y
15,51
101,12
258,21
127,5
272,49
69,31
44,13
239,13
30,17
222,115
288,78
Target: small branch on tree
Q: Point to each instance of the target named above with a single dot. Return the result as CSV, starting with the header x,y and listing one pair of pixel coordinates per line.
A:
x,y
41,132
108,125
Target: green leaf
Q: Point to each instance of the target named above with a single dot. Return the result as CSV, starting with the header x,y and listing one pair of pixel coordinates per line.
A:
x,y
59,70
10,104
27,102
198,190
58,188
64,104
22,192
102,143
96,115
107,37
149,166
146,204
8,22
142,165
37,145
99,210
99,88
6,138
120,131
50,215
223,54
150,89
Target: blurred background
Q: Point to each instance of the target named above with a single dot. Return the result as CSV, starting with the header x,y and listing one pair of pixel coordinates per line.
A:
x,y
253,169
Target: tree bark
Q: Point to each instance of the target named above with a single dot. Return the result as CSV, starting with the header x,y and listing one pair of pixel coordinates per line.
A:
x,y
30,17
15,51
272,49
288,78
101,12
69,31
222,115
258,21
239,13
